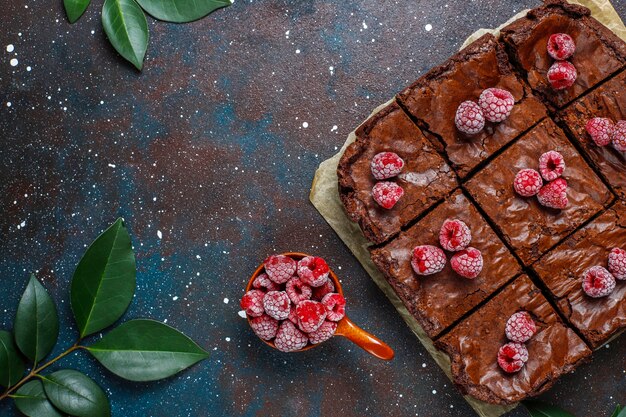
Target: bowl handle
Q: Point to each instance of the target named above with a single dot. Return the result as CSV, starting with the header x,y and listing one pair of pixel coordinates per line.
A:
x,y
364,340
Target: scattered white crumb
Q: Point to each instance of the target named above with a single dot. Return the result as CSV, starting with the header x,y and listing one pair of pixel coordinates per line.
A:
x,y
305,125
242,314
226,300
159,234
428,27
175,298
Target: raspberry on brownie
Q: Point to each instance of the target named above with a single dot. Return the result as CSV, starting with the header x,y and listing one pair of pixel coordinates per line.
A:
x,y
438,300
425,176
530,228
473,346
433,101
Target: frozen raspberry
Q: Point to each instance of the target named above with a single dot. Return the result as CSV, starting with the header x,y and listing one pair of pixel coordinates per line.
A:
x,y
527,182
551,165
617,263
554,194
520,327
387,194
469,118
252,303
264,283
311,315
601,130
289,338
264,326
454,235
512,357
386,165
619,136
321,291
561,46
496,104
280,268
467,263
298,290
323,333
276,304
293,317
562,75
335,306
428,260
313,271
598,282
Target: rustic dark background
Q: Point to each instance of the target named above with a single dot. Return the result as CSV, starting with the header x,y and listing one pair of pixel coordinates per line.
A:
x,y
215,145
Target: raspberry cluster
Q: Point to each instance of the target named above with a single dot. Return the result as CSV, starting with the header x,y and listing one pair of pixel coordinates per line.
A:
x,y
386,165
598,281
294,303
528,182
603,131
512,356
562,74
494,105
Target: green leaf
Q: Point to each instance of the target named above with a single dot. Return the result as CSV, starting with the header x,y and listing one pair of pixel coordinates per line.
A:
x,y
31,400
125,25
104,281
181,11
76,394
146,350
541,409
619,411
11,366
75,9
36,322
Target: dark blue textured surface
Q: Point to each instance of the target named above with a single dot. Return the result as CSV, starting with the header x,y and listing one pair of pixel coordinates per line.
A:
x,y
209,146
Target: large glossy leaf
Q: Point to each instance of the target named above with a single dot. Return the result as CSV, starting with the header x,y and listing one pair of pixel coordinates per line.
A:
x,y
11,366
125,25
75,8
74,393
36,322
541,409
619,411
104,281
180,11
146,350
32,401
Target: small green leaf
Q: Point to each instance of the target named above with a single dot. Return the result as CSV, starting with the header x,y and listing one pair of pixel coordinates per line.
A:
x,y
181,11
104,281
36,322
125,25
75,9
619,411
541,409
31,400
11,366
146,350
74,393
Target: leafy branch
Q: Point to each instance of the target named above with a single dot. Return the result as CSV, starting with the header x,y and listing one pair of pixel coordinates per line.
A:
x,y
540,409
102,288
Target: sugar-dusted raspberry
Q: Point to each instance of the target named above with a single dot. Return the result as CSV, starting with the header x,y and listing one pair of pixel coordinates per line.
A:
x,y
598,282
496,104
428,260
469,118
387,194
617,263
512,357
561,46
313,271
293,317
467,263
311,315
264,326
252,303
264,283
562,75
276,304
527,182
298,291
454,235
280,268
520,327
601,130
551,165
335,306
323,333
619,136
289,338
554,194
321,291
386,165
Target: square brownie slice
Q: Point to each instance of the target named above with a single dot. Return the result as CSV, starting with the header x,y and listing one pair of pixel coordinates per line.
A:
x,y
438,300
530,228
609,101
597,319
434,98
425,178
599,52
473,347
